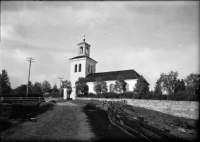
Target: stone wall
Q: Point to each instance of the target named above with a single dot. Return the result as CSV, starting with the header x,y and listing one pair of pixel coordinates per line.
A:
x,y
186,109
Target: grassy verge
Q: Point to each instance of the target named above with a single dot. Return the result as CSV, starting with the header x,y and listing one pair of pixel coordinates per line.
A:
x,y
102,127
23,112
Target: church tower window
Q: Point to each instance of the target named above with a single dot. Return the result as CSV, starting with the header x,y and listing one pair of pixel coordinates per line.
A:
x,y
81,50
86,51
76,68
91,69
79,67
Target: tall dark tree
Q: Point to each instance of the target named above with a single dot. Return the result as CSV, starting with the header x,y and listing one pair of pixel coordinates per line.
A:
x,y
30,88
198,88
141,87
158,87
20,90
55,88
192,83
120,84
37,88
180,86
100,86
46,87
5,86
81,86
168,82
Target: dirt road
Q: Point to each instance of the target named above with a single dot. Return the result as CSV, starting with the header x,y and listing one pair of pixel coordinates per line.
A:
x,y
66,121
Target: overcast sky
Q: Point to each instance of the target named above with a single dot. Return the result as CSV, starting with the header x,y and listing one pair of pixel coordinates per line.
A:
x,y
149,37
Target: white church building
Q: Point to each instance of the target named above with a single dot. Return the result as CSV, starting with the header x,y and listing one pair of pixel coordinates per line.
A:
x,y
84,66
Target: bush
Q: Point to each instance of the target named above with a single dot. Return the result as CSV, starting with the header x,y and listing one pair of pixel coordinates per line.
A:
x,y
183,96
179,96
23,95
109,95
90,106
53,95
159,96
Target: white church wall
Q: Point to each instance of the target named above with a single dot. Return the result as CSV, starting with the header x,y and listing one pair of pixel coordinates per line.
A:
x,y
91,87
131,83
91,63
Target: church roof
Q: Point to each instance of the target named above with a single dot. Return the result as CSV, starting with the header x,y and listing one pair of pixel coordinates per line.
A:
x,y
83,43
77,57
106,76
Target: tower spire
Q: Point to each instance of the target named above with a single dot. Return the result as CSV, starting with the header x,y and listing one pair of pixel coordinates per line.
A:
x,y
84,38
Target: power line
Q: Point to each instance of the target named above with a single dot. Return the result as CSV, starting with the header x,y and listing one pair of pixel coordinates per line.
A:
x,y
30,61
60,85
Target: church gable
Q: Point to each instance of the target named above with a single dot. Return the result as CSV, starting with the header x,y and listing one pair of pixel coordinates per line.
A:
x,y
107,76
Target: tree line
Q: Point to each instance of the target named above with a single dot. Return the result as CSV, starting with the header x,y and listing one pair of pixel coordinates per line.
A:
x,y
168,86
36,89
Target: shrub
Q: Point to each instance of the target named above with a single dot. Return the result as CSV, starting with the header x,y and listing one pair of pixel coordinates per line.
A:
x,y
159,96
179,96
90,106
109,95
183,96
23,95
53,95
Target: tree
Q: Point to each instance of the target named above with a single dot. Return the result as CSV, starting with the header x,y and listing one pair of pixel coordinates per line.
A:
x,y
81,86
180,86
158,87
37,88
46,86
0,85
120,84
20,90
141,87
100,86
30,87
67,84
192,83
168,82
5,86
55,88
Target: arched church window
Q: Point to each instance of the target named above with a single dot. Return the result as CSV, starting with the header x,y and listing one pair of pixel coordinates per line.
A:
x,y
112,87
86,50
127,87
76,68
81,50
79,67
91,69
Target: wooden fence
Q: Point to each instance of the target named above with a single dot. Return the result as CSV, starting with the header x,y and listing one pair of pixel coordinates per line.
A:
x,y
12,100
135,125
6,103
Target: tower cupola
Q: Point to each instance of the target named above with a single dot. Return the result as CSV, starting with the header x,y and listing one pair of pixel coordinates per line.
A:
x,y
83,48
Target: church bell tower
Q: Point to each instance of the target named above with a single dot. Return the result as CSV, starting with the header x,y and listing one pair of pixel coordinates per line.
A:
x,y
81,65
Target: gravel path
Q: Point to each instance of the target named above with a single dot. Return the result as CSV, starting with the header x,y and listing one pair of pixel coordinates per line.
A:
x,y
66,121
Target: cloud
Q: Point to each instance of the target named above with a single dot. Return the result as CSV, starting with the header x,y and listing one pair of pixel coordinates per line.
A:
x,y
146,36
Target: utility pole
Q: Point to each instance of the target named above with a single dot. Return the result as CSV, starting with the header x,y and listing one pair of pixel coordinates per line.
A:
x,y
30,61
60,85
